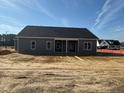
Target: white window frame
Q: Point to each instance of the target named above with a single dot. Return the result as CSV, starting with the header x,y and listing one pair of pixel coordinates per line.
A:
x,y
34,45
87,42
48,41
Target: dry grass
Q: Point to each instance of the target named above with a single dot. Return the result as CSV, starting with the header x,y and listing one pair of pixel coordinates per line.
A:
x,y
5,52
61,74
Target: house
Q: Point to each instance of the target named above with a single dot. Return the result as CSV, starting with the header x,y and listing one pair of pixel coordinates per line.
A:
x,y
122,45
108,44
56,41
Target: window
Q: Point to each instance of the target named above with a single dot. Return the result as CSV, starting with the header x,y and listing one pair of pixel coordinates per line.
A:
x,y
48,45
87,45
33,44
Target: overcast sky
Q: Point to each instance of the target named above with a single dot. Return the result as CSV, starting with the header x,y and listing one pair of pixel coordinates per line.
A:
x,y
105,18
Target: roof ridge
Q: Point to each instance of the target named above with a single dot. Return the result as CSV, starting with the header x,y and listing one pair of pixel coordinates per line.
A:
x,y
56,27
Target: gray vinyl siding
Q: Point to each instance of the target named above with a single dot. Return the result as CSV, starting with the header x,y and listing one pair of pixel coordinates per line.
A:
x,y
42,34
25,46
87,52
15,44
114,47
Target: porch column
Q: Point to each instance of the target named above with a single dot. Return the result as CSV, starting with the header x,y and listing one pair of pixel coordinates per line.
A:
x,y
54,45
66,46
78,45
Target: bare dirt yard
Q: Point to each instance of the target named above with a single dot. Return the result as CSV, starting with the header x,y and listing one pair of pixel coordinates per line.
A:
x,y
21,73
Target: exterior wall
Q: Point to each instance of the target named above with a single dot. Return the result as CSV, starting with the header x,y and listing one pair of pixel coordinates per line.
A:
x,y
15,44
25,46
104,43
87,52
114,47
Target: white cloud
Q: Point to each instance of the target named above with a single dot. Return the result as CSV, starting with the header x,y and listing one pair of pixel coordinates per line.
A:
x,y
105,8
9,24
10,4
24,5
44,10
119,29
108,13
9,20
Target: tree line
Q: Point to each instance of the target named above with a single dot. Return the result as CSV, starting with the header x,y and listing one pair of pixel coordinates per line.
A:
x,y
7,39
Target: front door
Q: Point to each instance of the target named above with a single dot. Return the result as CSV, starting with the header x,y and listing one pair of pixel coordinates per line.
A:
x,y
72,46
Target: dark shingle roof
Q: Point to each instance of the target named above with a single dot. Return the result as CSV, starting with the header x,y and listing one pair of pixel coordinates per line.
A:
x,y
62,32
113,42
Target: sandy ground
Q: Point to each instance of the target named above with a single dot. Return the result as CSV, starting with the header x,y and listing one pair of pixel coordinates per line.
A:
x,y
61,74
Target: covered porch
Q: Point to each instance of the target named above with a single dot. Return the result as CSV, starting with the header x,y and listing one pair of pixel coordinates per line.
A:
x,y
66,46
